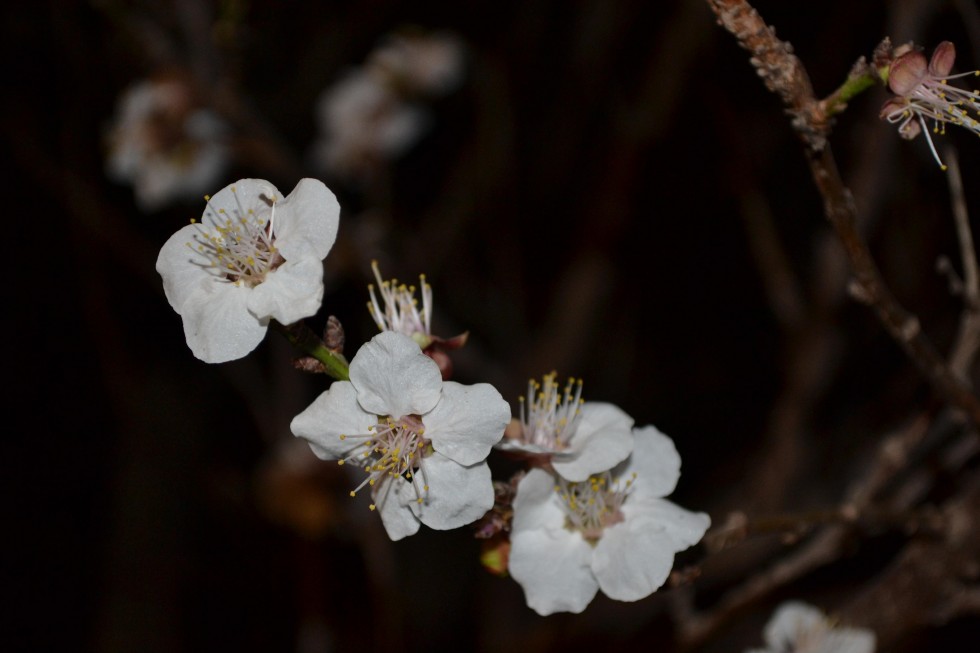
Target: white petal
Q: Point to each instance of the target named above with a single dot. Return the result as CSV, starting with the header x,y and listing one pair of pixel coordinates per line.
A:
x,y
332,414
393,377
553,568
307,221
217,324
397,518
243,198
289,293
656,463
183,269
683,527
535,504
602,439
791,619
467,421
516,446
632,560
848,640
457,495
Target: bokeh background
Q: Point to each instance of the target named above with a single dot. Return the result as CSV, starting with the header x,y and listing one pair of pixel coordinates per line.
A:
x,y
610,193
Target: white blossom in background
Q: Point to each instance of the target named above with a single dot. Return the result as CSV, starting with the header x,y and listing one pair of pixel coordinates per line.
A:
x,y
800,628
376,112
421,64
613,532
164,144
576,437
421,442
924,94
364,123
253,257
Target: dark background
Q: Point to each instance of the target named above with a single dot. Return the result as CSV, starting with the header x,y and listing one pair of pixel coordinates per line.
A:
x,y
600,197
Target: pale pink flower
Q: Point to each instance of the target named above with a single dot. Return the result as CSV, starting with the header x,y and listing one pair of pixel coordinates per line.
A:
x,y
924,94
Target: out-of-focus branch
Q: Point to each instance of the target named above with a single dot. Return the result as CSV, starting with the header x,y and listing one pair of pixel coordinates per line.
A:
x,y
968,337
919,588
784,74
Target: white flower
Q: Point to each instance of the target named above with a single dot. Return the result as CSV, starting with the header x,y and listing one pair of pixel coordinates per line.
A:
x,y
613,532
422,442
364,123
578,438
426,64
252,258
800,628
165,145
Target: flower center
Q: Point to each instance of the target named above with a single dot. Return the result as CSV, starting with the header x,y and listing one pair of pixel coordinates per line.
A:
x,y
593,505
548,418
240,247
391,448
401,312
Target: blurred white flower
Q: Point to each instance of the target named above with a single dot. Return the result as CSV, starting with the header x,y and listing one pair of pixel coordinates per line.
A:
x,y
420,63
800,628
253,257
364,123
164,144
576,437
373,114
422,442
924,94
613,532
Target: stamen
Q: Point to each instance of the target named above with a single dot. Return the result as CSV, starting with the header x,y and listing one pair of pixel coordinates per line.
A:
x,y
240,248
401,313
391,449
593,505
549,417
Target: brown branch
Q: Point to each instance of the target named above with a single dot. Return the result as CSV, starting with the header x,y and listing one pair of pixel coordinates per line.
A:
x,y
784,74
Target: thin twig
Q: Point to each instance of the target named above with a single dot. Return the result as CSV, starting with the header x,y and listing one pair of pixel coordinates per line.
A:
x,y
967,343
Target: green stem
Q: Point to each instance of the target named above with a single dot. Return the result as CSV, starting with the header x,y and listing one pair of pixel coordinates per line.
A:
x,y
303,338
856,84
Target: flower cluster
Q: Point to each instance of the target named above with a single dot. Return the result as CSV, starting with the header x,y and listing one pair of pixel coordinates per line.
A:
x,y
589,515
923,94
165,143
374,113
800,628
